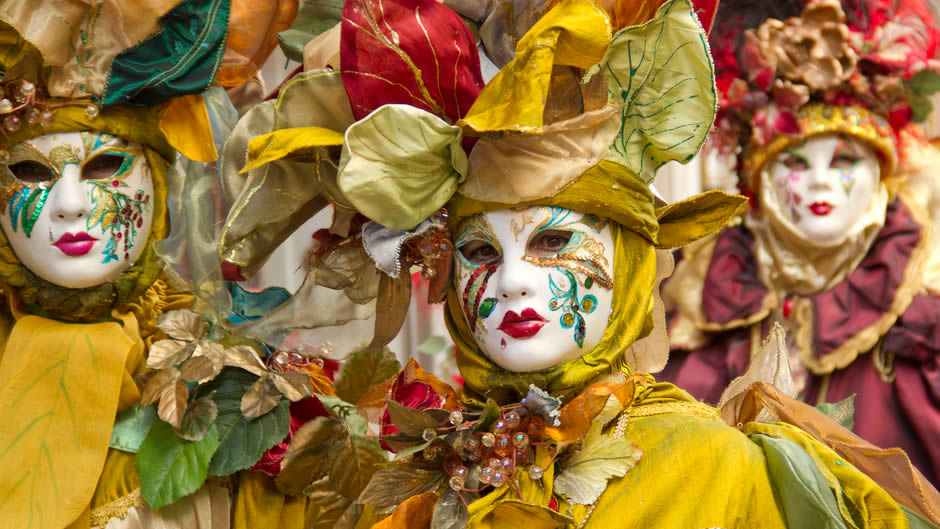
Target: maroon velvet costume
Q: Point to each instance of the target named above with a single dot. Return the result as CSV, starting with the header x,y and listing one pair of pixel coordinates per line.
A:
x,y
904,413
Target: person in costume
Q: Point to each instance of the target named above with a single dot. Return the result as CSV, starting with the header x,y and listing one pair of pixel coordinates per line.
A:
x,y
818,103
524,197
118,401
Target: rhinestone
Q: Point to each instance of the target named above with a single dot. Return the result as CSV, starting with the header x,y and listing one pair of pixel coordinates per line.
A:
x,y
506,464
498,427
456,483
471,443
6,106
499,479
486,475
536,472
456,417
11,123
488,440
28,88
461,472
512,420
46,119
429,434
32,116
520,439
91,111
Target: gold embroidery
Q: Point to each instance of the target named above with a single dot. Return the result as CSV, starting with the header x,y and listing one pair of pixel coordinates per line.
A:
x,y
586,257
116,509
698,409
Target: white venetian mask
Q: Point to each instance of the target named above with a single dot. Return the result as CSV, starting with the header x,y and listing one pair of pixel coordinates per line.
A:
x,y
824,185
77,206
536,284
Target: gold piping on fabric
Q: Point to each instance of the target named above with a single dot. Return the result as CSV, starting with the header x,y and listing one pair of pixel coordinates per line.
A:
x,y
884,362
698,409
866,339
823,389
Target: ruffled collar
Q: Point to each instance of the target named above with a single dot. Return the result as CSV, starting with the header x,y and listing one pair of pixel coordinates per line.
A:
x,y
838,324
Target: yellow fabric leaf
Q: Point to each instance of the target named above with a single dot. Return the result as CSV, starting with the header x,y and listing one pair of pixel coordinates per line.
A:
x,y
185,123
400,164
285,142
413,513
573,33
59,390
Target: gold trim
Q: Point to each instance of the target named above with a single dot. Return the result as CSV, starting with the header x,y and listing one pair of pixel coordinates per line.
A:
x,y
116,509
698,409
884,362
865,340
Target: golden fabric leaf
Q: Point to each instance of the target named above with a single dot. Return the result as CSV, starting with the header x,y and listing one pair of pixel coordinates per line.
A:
x,y
245,357
156,384
260,398
183,325
413,513
578,415
173,403
168,353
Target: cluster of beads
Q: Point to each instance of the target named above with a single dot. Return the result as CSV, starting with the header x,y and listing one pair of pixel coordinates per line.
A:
x,y
287,361
21,100
491,457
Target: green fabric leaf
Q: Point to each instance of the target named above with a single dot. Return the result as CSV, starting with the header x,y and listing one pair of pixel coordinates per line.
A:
x,y
170,467
363,371
242,441
131,428
313,18
400,164
925,82
662,74
843,412
585,473
921,107
433,345
395,484
181,58
200,415
413,449
408,420
346,413
803,494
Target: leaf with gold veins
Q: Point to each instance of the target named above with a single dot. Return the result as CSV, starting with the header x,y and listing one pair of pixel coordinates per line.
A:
x,y
585,473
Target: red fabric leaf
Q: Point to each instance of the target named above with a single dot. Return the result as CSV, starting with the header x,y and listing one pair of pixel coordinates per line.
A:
x,y
705,10
415,52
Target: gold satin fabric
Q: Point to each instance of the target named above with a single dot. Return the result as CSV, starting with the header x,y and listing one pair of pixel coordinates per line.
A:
x,y
79,40
62,385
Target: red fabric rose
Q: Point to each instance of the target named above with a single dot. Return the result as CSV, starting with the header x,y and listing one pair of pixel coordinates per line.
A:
x,y
301,412
417,389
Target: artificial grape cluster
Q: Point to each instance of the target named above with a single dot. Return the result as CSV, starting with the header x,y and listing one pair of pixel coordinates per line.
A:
x,y
479,459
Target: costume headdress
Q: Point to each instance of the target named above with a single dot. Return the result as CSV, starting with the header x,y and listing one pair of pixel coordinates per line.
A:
x,y
793,70
394,122
788,71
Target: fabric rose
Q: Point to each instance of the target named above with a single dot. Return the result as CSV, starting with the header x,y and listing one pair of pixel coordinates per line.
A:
x,y
417,389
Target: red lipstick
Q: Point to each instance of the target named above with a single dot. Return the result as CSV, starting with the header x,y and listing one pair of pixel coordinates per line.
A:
x,y
820,208
524,326
75,245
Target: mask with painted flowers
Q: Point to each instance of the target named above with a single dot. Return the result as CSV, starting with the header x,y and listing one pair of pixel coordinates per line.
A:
x,y
536,283
77,207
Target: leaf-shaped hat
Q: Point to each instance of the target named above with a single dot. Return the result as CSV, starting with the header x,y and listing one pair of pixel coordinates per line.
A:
x,y
157,56
593,99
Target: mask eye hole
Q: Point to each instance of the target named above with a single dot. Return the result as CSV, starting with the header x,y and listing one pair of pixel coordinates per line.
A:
x,y
794,162
31,172
102,167
479,252
549,242
844,161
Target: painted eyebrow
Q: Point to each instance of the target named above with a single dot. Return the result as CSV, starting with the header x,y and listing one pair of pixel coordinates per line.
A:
x,y
846,147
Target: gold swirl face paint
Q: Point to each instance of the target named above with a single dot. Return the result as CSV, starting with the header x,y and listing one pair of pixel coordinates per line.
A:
x,y
536,283
77,206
